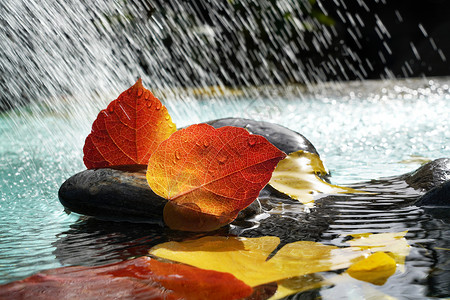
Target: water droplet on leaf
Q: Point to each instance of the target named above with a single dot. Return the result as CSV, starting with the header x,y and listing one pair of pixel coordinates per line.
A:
x,y
251,141
205,143
158,105
140,92
222,159
177,155
149,104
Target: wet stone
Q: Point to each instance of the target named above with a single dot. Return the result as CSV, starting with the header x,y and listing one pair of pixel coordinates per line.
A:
x,y
281,137
112,194
438,196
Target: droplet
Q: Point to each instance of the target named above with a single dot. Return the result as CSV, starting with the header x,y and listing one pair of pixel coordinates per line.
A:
x,y
110,108
177,155
167,117
147,95
198,143
251,141
171,125
140,92
158,105
222,159
205,143
149,104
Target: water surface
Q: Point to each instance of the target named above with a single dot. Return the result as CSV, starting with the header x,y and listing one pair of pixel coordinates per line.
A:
x,y
362,131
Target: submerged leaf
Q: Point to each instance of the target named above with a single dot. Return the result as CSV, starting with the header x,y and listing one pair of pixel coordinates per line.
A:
x,y
209,175
297,177
247,258
376,268
141,278
392,242
128,130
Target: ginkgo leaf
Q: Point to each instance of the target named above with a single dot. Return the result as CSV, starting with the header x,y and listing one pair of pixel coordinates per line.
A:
x,y
247,258
376,268
209,175
297,177
141,278
128,130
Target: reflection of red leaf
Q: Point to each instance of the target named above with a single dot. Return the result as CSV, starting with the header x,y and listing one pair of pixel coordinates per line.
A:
x,y
210,174
128,130
141,278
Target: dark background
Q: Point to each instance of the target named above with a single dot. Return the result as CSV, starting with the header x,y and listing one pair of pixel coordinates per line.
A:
x,y
52,49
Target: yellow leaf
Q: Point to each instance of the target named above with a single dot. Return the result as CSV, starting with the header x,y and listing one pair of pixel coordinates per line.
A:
x,y
376,268
246,258
392,242
292,267
296,176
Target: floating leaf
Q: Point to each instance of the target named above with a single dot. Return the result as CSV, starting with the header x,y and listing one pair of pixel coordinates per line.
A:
x,y
209,175
297,177
392,242
128,130
141,278
376,268
247,258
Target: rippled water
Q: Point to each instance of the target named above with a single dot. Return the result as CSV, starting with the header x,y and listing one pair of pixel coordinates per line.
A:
x,y
362,131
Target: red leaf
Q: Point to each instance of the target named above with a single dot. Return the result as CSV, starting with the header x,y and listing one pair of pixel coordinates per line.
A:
x,y
128,130
141,278
210,174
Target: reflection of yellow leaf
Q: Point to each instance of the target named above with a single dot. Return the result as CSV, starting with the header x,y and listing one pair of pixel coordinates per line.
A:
x,y
298,284
292,267
376,268
392,242
249,263
296,176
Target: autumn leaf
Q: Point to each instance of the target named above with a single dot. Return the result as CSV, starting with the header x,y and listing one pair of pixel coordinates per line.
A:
x,y
128,130
247,258
209,175
376,268
140,278
392,242
297,177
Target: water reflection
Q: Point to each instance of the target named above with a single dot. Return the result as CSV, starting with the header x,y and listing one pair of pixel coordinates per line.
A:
x,y
95,242
390,208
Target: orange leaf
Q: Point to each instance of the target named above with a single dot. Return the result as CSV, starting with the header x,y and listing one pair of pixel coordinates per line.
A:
x,y
128,130
210,174
141,278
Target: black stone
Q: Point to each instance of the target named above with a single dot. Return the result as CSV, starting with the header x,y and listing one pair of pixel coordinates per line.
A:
x,y
281,137
430,175
112,194
437,196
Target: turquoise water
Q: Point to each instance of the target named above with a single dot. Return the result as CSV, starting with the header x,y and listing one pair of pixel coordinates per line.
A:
x,y
362,131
